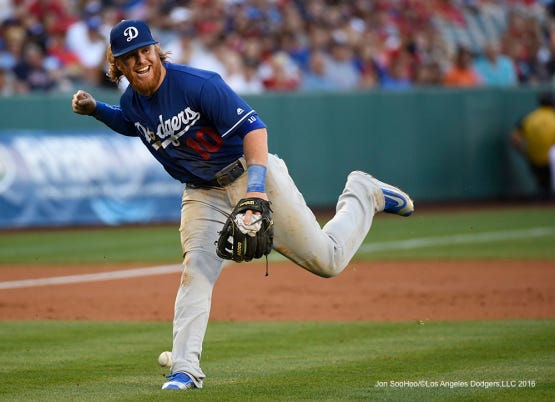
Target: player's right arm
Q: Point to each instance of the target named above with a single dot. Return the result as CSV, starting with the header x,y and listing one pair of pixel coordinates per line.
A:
x,y
84,103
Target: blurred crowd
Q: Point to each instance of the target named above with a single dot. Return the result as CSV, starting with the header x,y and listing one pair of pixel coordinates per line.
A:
x,y
287,45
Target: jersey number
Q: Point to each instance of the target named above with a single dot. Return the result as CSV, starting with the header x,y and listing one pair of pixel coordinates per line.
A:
x,y
205,142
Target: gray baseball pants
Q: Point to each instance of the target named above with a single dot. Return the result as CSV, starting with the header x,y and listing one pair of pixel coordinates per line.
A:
x,y
297,235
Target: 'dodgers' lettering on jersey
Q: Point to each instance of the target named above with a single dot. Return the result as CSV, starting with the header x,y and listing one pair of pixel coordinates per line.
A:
x,y
169,130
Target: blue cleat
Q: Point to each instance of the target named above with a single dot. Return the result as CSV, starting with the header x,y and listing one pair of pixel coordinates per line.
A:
x,y
179,381
396,201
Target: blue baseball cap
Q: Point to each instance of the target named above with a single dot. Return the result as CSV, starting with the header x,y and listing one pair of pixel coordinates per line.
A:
x,y
129,35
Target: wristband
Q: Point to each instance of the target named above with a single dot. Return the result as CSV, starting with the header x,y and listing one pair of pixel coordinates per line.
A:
x,y
256,179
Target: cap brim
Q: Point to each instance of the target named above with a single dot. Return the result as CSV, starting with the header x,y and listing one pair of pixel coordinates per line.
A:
x,y
135,46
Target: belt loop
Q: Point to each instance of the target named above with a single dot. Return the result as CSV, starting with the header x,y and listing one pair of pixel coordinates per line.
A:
x,y
243,161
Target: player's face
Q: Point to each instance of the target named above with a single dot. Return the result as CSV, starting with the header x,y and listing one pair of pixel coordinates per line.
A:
x,y
143,69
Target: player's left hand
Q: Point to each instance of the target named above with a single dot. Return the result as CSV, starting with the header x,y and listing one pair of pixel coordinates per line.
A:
x,y
249,213
240,241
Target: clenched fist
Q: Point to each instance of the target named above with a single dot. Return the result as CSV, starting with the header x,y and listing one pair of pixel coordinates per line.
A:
x,y
83,103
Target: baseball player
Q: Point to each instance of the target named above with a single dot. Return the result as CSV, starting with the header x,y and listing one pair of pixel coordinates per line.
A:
x,y
211,140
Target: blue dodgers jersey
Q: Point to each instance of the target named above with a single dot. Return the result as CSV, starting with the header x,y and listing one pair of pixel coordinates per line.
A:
x,y
194,124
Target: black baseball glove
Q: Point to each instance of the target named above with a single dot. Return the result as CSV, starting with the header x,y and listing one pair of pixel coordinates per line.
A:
x,y
240,242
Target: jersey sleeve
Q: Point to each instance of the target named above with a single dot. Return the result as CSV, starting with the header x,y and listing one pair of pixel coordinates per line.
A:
x,y
252,123
229,113
114,118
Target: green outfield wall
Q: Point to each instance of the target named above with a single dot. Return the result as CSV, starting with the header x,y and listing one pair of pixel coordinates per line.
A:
x,y
438,144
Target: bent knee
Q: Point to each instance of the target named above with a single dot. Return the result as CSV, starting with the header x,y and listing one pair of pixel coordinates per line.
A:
x,y
324,265
323,271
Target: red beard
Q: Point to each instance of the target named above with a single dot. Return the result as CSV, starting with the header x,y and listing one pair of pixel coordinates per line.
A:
x,y
146,86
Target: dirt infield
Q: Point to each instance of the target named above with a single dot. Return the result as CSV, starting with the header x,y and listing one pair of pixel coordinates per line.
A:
x,y
377,291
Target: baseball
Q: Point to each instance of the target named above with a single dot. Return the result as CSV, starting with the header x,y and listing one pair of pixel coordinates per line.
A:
x,y
165,359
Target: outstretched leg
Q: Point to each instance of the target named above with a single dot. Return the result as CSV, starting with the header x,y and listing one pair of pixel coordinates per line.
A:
x,y
327,251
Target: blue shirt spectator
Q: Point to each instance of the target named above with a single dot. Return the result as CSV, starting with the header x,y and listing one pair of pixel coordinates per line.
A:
x,y
398,77
341,68
495,68
315,79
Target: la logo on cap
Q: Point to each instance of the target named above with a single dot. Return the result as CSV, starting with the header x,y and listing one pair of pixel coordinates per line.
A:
x,y
131,33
